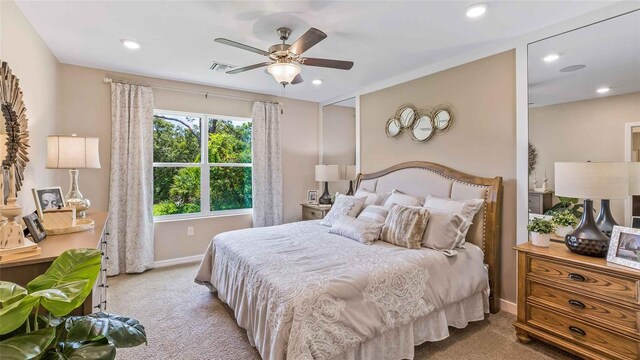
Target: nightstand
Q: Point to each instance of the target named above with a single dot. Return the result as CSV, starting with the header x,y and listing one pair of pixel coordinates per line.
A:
x,y
581,304
314,212
539,202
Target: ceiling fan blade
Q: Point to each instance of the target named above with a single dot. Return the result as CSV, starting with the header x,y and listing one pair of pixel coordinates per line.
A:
x,y
307,40
328,63
241,46
247,68
297,80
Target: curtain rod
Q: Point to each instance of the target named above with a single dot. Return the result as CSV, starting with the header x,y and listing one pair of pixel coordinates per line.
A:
x,y
206,94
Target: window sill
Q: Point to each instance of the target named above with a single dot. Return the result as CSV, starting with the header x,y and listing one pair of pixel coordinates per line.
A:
x,y
200,216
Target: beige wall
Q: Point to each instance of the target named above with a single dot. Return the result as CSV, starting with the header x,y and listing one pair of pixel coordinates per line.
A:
x,y
86,110
582,131
338,140
39,73
481,141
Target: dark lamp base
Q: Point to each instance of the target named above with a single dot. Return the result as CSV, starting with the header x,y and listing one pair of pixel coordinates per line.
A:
x,y
325,199
587,239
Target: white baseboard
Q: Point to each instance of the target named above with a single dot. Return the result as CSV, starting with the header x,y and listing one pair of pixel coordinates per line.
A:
x,y
508,306
177,261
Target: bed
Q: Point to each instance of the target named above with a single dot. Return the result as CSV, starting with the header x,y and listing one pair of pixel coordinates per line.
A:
x,y
303,293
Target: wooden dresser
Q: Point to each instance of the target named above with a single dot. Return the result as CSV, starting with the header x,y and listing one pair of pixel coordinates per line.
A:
x,y
581,304
24,270
539,202
314,212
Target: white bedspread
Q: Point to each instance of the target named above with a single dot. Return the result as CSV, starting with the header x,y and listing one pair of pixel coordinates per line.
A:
x,y
302,293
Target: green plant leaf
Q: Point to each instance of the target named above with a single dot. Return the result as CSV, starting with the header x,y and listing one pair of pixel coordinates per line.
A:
x,y
120,330
62,299
94,350
10,293
70,267
14,315
27,346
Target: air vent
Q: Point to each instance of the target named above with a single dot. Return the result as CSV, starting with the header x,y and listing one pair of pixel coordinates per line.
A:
x,y
221,67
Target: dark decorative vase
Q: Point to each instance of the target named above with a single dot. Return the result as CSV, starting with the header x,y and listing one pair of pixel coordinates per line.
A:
x,y
605,221
325,199
587,239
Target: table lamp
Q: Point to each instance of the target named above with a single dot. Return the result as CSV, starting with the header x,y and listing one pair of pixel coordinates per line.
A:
x,y
588,181
327,173
349,173
73,153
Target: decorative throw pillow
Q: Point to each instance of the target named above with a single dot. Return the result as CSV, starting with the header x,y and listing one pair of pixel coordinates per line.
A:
x,y
374,213
445,231
344,205
465,208
405,226
361,230
373,198
398,198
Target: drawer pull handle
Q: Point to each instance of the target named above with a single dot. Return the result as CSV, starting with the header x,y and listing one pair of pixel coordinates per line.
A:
x,y
103,286
577,304
577,331
576,277
313,213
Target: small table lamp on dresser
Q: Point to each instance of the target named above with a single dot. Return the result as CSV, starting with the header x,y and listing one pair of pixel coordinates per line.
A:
x,y
592,180
73,153
349,174
327,173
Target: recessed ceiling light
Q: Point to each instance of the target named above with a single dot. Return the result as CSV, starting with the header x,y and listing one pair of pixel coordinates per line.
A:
x,y
551,58
571,68
603,90
317,82
476,10
130,44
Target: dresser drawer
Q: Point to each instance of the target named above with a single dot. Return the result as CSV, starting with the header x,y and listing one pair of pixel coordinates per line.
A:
x,y
600,312
312,214
610,344
585,279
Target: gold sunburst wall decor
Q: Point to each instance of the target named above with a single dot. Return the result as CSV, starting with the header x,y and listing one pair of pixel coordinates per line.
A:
x,y
16,124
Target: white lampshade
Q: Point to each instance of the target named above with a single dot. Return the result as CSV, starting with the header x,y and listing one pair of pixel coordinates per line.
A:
x,y
594,180
72,152
348,172
634,178
284,72
327,172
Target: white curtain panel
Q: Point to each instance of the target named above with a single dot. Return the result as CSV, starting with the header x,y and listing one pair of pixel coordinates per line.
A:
x,y
267,164
130,244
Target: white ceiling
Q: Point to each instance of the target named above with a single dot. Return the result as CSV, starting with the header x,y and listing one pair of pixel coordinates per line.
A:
x,y
383,38
610,50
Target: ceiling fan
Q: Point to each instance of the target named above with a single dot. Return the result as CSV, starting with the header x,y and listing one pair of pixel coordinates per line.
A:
x,y
286,59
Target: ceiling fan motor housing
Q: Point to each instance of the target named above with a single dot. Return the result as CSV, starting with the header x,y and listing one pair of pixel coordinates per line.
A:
x,y
283,33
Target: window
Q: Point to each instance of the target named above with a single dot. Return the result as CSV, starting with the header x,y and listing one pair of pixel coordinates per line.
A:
x,y
201,164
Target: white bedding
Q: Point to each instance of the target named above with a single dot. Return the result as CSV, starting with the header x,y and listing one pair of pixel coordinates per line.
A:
x,y
302,293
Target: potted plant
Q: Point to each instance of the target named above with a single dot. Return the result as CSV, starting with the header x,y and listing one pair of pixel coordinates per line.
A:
x,y
540,229
565,221
35,322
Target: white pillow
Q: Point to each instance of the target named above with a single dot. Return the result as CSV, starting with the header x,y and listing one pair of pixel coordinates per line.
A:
x,y
465,208
445,231
373,198
361,230
374,213
344,205
398,198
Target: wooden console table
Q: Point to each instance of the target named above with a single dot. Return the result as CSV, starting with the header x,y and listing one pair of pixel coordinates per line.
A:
x,y
24,270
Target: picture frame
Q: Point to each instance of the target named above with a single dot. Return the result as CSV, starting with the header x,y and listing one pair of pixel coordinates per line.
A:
x,y
48,198
635,222
34,226
624,248
312,197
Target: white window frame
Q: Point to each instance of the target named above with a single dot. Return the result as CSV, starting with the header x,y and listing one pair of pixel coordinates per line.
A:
x,y
204,165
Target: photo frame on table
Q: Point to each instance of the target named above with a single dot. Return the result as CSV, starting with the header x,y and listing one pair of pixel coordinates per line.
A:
x,y
624,248
635,222
34,226
48,198
312,196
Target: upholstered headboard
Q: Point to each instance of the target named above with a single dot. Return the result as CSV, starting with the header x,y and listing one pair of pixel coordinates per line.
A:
x,y
420,178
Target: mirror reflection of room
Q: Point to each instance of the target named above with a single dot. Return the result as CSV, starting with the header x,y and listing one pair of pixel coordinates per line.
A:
x,y
584,105
339,142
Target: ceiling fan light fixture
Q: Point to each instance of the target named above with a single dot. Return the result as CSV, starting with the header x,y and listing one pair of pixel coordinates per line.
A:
x,y
284,72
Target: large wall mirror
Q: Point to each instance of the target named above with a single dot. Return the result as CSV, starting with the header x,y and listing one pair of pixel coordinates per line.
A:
x,y
584,105
339,139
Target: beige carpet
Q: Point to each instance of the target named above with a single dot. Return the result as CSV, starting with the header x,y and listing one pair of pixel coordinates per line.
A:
x,y
184,321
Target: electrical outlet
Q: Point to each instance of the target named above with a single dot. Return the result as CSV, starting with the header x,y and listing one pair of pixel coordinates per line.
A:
x,y
189,230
